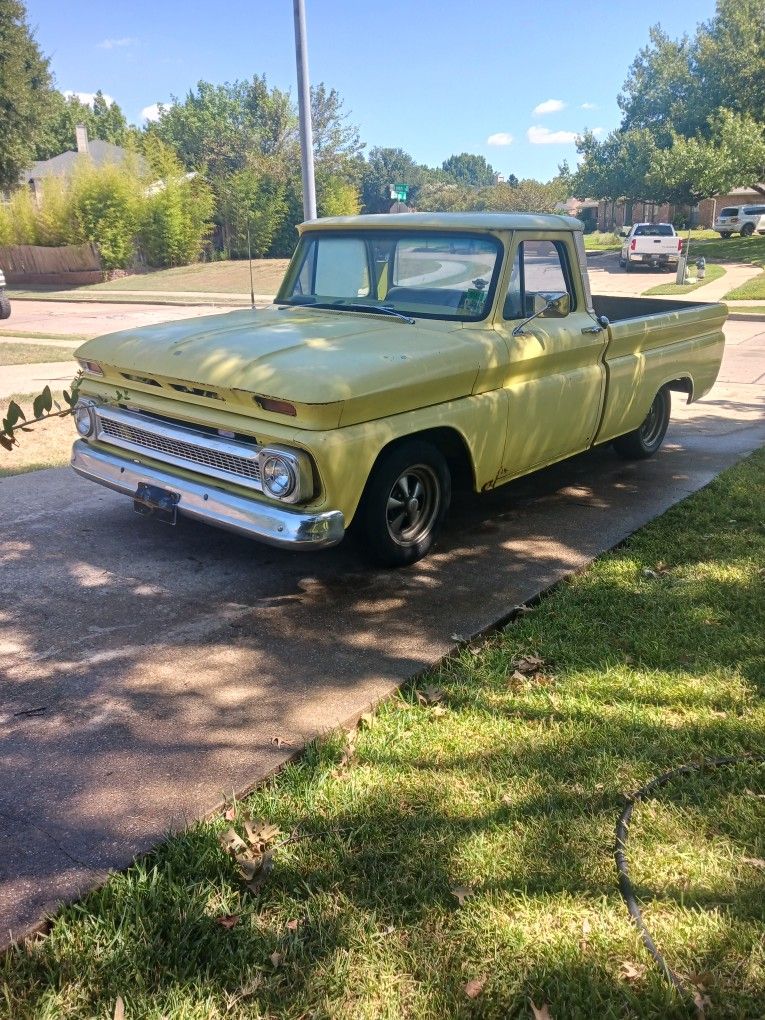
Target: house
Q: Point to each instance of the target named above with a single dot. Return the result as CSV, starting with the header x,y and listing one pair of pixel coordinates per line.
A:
x,y
99,152
615,214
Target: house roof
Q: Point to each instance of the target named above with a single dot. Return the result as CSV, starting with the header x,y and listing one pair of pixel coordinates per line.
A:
x,y
99,152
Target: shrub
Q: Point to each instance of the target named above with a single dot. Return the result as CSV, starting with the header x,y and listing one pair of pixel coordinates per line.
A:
x,y
105,209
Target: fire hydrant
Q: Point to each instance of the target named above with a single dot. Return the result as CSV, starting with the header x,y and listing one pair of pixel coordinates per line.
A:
x,y
701,268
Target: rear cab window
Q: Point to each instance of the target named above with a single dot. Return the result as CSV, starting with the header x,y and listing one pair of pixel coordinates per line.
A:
x,y
655,230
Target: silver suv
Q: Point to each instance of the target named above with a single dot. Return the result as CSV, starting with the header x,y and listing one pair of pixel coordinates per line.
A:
x,y
740,219
5,305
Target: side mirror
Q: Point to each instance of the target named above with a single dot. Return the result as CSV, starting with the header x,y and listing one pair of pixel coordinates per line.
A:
x,y
557,305
554,305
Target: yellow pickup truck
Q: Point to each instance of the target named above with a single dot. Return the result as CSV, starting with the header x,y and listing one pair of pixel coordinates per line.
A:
x,y
403,354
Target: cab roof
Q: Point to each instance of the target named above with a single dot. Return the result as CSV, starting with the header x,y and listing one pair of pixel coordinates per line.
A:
x,y
489,221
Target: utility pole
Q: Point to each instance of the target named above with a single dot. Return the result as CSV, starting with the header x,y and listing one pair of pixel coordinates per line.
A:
x,y
304,107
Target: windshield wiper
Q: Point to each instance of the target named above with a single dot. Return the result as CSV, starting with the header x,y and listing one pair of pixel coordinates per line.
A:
x,y
350,306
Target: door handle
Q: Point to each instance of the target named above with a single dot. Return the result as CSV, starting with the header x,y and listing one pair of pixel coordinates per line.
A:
x,y
592,329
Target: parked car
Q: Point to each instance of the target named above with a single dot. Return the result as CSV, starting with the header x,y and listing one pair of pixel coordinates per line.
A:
x,y
740,219
656,245
5,304
403,355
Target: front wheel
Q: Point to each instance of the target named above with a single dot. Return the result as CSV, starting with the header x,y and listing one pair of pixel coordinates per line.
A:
x,y
5,307
646,440
747,230
404,504
724,234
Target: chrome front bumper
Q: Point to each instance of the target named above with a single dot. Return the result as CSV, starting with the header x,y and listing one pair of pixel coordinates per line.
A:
x,y
272,524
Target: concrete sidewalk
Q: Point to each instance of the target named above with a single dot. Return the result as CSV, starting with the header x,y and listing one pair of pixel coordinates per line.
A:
x,y
148,670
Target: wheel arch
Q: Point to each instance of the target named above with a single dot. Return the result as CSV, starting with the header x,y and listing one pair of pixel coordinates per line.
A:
x,y
449,441
681,384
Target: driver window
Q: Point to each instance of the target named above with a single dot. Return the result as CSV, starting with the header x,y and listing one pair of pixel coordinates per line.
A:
x,y
538,266
341,268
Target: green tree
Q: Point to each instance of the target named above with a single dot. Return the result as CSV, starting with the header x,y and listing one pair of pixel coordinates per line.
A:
x,y
105,209
384,167
617,167
254,195
103,120
25,87
469,169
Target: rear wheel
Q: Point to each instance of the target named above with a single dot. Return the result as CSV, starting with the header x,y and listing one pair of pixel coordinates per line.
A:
x,y
5,307
725,234
747,230
628,266
646,440
404,504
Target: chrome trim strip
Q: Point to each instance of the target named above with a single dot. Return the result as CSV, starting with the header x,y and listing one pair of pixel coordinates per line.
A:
x,y
187,436
272,524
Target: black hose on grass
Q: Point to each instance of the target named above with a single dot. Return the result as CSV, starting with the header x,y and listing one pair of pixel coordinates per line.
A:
x,y
620,852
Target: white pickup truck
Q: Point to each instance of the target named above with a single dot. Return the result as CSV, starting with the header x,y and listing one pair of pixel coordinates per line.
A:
x,y
651,244
5,305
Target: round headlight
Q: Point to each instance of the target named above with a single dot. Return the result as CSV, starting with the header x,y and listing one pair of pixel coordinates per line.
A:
x,y
85,417
278,476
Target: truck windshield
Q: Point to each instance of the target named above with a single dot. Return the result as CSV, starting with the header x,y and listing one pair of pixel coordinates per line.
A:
x,y
437,276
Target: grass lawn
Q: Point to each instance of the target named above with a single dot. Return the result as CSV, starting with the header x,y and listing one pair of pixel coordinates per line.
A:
x,y
32,354
713,272
734,249
53,337
602,241
231,277
454,856
751,290
754,310
47,445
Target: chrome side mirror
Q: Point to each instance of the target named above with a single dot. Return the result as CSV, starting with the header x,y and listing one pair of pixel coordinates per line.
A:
x,y
557,304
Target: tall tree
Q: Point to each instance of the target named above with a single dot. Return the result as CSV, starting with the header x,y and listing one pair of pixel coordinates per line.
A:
x,y
103,119
469,169
25,87
385,167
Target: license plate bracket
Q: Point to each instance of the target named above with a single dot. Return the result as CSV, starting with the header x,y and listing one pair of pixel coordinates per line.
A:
x,y
154,501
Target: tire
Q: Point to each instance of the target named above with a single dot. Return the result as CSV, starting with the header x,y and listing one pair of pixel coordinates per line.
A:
x,y
622,264
725,235
628,266
646,440
5,307
404,504
747,230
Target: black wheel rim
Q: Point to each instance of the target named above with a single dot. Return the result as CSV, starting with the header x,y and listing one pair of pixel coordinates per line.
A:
x,y
651,429
412,505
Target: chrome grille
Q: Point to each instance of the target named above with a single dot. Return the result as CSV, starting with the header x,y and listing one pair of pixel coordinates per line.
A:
x,y
179,445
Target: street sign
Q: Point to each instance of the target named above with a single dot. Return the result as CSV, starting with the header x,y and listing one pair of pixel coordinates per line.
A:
x,y
399,192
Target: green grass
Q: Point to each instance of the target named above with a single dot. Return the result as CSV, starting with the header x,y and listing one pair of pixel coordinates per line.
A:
x,y
32,354
26,335
753,289
734,249
600,241
754,310
510,787
713,272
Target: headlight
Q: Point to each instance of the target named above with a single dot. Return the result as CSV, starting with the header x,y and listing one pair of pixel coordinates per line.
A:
x,y
91,367
85,417
278,476
286,474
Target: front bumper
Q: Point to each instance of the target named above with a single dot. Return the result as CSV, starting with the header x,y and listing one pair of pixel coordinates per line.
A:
x,y
274,525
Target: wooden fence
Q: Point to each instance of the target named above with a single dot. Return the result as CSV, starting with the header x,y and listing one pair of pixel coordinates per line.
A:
x,y
69,264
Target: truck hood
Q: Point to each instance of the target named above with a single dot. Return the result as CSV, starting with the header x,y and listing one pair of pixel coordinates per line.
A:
x,y
335,367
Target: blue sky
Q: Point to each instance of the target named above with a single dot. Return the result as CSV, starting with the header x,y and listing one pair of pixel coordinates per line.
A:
x,y
510,81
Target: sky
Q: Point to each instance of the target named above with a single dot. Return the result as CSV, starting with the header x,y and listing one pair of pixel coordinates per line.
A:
x,y
512,82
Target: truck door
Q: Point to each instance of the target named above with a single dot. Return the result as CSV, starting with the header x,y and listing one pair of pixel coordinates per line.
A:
x,y
555,375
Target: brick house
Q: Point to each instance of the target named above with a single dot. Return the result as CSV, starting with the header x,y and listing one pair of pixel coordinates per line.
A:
x,y
614,214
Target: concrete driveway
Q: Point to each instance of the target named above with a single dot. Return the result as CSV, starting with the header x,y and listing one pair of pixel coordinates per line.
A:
x,y
148,671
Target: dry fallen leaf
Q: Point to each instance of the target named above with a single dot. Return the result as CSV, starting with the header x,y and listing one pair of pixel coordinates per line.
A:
x,y
292,925
462,893
227,920
230,814
278,741
701,1002
459,638
631,971
366,720
540,1012
474,988
756,862
263,869
260,832
277,958
528,664
231,841
438,711
119,1009
430,695
522,609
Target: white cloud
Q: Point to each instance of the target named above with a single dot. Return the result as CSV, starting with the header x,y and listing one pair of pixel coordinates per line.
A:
x,y
588,106
598,132
87,97
544,136
549,106
111,44
151,112
500,138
